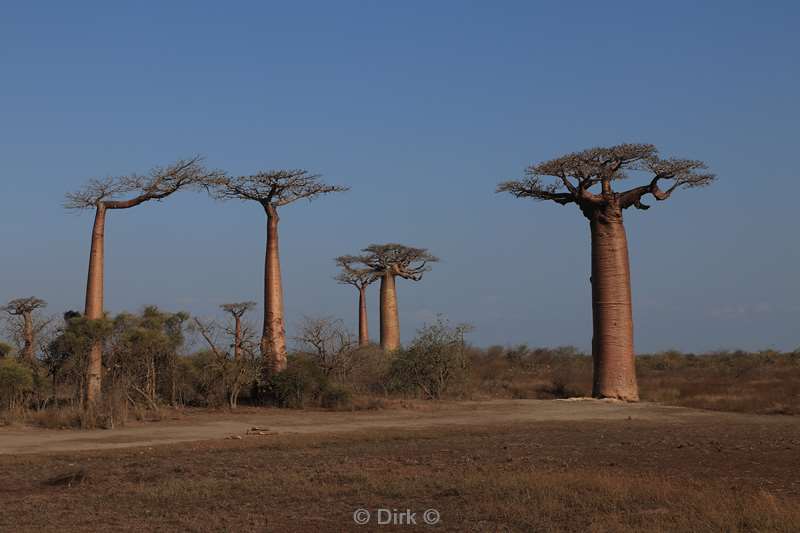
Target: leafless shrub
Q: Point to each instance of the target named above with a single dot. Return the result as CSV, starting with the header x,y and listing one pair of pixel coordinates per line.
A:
x,y
329,343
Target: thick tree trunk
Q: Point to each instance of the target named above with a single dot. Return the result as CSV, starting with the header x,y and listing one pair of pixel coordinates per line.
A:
x,y
94,306
363,327
390,321
27,334
273,340
612,343
237,339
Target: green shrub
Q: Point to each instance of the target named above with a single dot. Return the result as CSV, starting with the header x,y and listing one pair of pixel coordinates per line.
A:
x,y
435,361
302,383
335,397
16,381
5,349
370,365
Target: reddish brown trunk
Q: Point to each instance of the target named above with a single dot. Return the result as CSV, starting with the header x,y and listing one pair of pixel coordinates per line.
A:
x,y
27,334
363,327
94,306
273,340
612,343
237,338
390,321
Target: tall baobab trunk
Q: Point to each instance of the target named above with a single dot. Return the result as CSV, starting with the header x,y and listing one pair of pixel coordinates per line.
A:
x,y
94,305
235,386
363,326
612,343
390,321
27,335
237,338
273,339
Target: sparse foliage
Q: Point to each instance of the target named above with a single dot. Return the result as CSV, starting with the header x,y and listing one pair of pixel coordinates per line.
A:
x,y
329,343
25,325
229,369
272,189
16,380
398,260
388,261
434,361
575,178
570,178
156,185
103,195
355,272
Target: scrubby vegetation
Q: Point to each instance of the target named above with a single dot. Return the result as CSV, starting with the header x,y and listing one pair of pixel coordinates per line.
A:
x,y
156,360
766,382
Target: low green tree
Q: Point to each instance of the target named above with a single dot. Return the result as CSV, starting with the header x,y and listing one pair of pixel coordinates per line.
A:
x,y
16,381
435,360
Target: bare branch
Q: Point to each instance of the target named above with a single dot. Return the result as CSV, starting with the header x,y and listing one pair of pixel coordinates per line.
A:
x,y
532,187
351,274
684,173
328,341
275,187
398,260
604,166
159,183
206,331
23,306
238,309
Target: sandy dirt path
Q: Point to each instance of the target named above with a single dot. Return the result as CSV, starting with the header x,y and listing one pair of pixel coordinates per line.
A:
x,y
199,427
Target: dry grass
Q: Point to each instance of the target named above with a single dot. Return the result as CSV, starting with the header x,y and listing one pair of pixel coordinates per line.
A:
x,y
542,478
763,383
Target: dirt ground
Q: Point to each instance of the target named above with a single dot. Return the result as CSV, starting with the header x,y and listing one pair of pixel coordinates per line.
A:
x,y
521,465
202,425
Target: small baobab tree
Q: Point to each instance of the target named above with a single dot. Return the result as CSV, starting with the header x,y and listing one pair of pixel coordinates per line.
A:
x,y
570,179
354,272
388,261
24,324
231,371
237,312
103,195
273,189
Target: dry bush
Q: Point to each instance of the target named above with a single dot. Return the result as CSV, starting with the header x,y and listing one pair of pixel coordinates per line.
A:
x,y
530,373
303,384
57,418
16,383
368,369
762,382
434,364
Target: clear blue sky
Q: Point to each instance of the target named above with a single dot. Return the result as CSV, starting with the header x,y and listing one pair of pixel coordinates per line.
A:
x,y
420,107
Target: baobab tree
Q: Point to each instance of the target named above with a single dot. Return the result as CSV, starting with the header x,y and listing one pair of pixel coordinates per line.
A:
x,y
231,371
103,195
359,277
237,311
569,180
25,325
388,261
273,189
